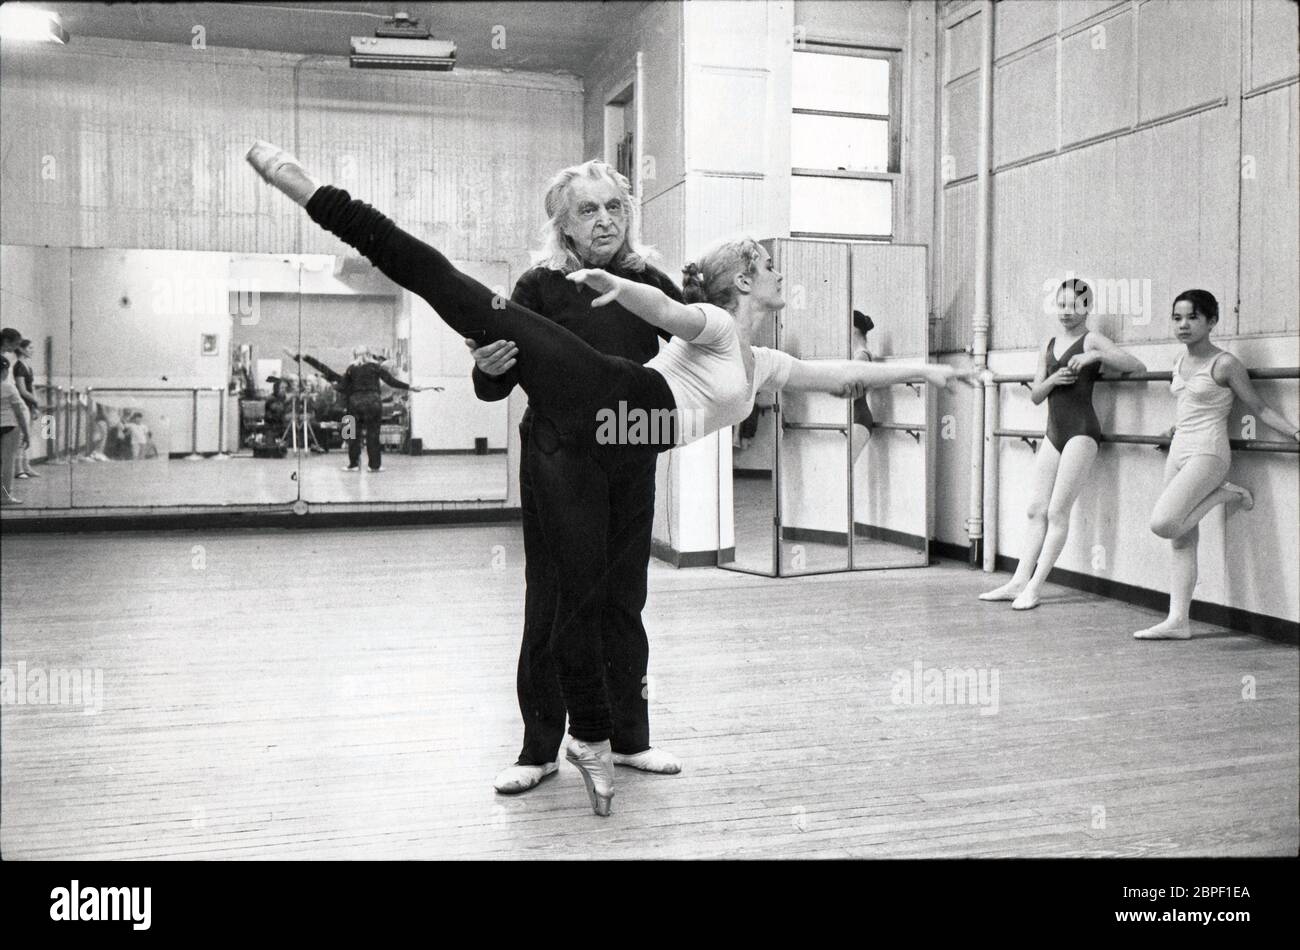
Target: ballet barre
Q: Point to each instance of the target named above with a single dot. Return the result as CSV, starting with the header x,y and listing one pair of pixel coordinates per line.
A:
x,y
984,546
912,429
1238,445
1165,376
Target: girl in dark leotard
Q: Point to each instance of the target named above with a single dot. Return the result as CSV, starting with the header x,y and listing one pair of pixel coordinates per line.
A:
x,y
1069,408
1066,373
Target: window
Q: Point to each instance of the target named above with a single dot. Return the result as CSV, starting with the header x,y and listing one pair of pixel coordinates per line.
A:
x,y
844,141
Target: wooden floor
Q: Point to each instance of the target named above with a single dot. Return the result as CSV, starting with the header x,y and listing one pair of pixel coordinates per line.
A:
x,y
244,480
350,694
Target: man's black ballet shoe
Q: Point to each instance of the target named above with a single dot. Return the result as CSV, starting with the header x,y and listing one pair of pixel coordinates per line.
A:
x,y
595,762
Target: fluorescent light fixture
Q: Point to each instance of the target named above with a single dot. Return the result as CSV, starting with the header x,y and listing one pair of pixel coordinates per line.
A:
x,y
18,21
401,43
374,52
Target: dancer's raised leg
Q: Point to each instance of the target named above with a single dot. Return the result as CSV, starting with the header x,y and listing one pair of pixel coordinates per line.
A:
x,y
1041,479
1071,475
1190,491
558,370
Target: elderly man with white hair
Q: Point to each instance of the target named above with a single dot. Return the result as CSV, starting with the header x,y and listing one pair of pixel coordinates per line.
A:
x,y
586,516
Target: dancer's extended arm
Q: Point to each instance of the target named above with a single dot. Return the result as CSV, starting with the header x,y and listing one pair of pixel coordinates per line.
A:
x,y
324,370
833,376
1232,372
649,303
1098,348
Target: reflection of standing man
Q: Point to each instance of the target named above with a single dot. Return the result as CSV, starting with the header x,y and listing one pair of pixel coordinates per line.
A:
x,y
586,516
359,384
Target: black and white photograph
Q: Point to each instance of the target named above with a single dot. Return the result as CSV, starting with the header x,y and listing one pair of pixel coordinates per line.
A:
x,y
671,432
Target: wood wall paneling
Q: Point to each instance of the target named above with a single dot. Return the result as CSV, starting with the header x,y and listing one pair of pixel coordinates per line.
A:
x,y
1097,70
1270,212
1182,58
1274,34
1025,89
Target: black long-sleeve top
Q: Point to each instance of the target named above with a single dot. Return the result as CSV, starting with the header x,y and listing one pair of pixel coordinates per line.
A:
x,y
611,329
358,377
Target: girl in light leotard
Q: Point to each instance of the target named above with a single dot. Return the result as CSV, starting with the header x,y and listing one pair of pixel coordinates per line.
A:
x,y
1205,379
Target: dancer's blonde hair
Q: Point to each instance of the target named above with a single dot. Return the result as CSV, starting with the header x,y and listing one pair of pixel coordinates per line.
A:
x,y
711,278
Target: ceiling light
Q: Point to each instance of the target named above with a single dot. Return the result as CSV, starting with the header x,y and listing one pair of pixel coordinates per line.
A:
x,y
18,21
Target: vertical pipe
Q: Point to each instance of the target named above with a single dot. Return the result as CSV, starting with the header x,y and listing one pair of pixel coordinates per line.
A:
x,y
983,260
221,422
50,446
68,444
991,407
194,425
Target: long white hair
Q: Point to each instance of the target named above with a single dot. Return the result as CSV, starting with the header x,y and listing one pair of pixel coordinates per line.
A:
x,y
558,252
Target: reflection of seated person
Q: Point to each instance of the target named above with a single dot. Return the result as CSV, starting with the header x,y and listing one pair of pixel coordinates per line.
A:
x,y
137,435
120,434
277,405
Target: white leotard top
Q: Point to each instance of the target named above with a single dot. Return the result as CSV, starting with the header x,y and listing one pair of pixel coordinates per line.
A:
x,y
1203,405
707,375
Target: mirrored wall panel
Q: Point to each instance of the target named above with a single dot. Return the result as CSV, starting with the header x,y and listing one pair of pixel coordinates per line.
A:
x,y
176,378
821,483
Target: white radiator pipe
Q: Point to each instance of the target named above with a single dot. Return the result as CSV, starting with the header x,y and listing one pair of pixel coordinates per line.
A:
x,y
977,525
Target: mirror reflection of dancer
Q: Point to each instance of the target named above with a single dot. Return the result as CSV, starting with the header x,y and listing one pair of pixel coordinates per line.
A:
x,y
359,385
703,380
14,433
25,382
1205,379
862,420
1065,376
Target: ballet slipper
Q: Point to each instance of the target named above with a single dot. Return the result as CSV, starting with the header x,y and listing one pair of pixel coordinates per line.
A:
x,y
520,778
1165,631
1243,495
1008,591
595,761
651,760
281,170
1027,600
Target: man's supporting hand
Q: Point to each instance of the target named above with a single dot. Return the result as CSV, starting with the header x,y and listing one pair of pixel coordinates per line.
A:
x,y
495,358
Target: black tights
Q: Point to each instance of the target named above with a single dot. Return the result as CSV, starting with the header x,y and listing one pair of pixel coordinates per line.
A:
x,y
567,381
564,377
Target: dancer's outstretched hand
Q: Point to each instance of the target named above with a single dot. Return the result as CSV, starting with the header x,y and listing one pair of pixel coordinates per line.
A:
x,y
948,377
605,284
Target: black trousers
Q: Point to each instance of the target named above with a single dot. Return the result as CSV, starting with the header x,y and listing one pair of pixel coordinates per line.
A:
x,y
568,383
587,519
366,410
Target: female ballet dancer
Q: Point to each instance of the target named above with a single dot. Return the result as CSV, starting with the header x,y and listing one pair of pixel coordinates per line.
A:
x,y
1065,457
702,380
862,419
1205,379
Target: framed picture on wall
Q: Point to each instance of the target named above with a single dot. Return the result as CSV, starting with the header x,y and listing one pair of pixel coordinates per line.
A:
x,y
208,344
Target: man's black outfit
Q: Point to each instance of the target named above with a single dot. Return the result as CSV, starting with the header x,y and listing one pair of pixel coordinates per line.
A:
x,y
587,518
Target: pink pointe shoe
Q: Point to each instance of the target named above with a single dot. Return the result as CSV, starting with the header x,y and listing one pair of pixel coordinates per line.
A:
x,y
595,760
281,170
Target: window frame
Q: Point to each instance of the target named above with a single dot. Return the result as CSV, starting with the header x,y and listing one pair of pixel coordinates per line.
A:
x,y
894,174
